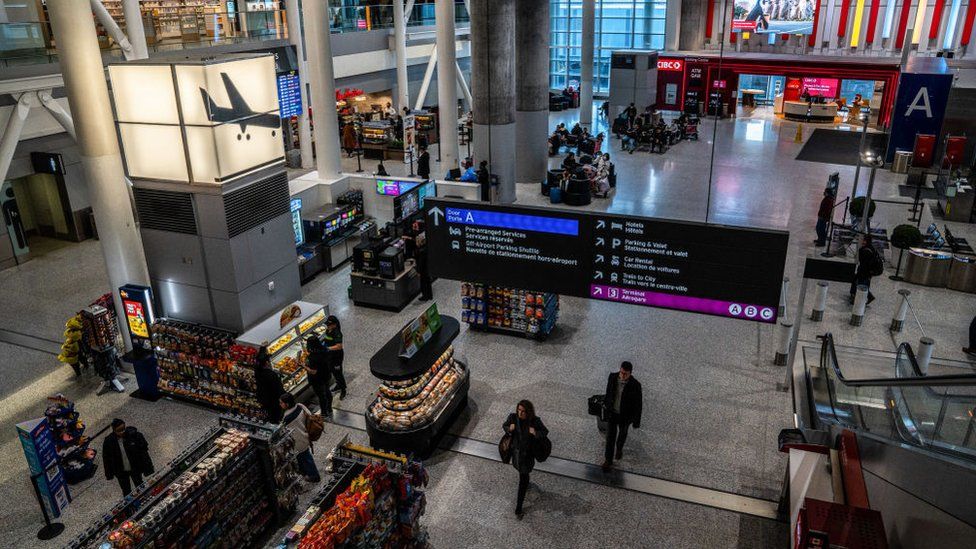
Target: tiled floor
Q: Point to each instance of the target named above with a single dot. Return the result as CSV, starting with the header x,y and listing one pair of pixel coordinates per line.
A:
x,y
712,408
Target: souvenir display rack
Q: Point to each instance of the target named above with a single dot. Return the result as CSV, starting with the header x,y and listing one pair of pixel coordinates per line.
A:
x,y
509,310
224,490
77,459
372,499
420,396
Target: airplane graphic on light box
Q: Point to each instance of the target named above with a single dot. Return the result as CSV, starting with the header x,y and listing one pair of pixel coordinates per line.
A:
x,y
238,112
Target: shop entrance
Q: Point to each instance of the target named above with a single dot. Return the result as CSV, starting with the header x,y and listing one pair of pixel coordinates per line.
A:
x,y
760,90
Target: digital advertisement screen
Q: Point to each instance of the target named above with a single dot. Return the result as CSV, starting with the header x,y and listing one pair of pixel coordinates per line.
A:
x,y
773,16
824,87
392,187
710,269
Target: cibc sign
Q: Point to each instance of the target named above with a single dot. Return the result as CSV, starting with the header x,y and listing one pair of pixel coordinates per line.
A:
x,y
673,65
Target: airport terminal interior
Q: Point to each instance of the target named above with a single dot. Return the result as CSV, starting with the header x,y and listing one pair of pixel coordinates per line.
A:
x,y
487,273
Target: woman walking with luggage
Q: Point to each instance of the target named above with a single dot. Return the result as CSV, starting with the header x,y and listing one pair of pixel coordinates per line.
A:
x,y
527,432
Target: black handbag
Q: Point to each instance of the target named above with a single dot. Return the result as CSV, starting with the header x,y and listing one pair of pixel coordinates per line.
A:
x,y
542,449
505,448
594,405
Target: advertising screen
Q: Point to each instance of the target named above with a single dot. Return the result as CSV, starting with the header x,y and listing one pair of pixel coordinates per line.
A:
x,y
709,269
823,87
774,16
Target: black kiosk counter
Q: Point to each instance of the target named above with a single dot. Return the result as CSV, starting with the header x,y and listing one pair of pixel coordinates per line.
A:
x,y
423,390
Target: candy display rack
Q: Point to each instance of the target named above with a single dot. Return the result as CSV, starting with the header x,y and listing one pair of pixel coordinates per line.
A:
x,y
371,499
284,333
420,396
221,491
509,310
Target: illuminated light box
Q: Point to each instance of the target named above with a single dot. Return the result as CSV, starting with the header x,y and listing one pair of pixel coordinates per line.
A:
x,y
205,121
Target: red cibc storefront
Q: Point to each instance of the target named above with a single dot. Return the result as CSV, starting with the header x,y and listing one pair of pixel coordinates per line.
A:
x,y
706,84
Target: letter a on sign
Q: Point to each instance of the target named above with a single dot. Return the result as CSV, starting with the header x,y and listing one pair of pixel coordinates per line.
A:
x,y
920,103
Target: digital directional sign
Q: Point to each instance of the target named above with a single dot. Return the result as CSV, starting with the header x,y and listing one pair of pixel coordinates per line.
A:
x,y
711,269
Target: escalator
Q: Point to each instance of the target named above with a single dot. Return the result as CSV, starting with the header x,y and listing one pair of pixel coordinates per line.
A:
x,y
915,436
934,413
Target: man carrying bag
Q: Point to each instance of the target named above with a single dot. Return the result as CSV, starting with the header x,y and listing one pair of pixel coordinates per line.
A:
x,y
622,404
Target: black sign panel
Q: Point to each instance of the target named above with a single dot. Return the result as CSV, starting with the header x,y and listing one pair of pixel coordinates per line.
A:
x,y
710,269
51,163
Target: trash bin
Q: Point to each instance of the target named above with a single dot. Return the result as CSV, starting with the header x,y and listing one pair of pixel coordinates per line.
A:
x,y
928,267
962,274
903,160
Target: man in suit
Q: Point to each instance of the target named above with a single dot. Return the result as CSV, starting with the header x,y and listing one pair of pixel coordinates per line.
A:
x,y
125,455
423,164
622,405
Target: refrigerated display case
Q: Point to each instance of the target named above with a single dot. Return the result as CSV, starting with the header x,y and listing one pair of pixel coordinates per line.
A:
x,y
230,488
420,396
284,334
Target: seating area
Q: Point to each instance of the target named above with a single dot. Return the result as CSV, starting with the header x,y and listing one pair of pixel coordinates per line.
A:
x,y
577,182
650,133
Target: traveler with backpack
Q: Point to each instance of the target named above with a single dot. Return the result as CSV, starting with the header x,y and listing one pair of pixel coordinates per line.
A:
x,y
528,441
306,428
869,265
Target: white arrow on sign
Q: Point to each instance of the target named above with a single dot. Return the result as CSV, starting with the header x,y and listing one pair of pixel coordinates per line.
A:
x,y
598,291
597,275
600,224
599,241
437,214
599,258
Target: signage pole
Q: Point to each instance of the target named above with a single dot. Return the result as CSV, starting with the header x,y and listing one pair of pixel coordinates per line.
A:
x,y
860,151
50,530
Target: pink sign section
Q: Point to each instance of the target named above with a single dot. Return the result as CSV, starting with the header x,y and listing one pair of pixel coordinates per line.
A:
x,y
684,303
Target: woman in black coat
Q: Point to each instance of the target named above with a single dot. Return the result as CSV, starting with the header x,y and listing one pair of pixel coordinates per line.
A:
x,y
268,387
319,373
526,428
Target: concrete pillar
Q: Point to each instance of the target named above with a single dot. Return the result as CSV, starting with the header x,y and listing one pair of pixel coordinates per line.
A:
x,y
400,48
134,29
691,29
672,25
532,90
87,90
586,63
296,37
493,88
447,85
321,79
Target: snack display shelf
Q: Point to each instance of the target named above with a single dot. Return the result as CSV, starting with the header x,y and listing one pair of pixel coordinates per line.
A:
x,y
509,310
220,491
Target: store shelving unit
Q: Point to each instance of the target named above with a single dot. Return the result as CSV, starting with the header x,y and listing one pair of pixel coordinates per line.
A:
x,y
223,490
371,499
420,395
284,334
509,310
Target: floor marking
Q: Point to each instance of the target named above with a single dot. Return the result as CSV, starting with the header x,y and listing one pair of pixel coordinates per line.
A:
x,y
30,342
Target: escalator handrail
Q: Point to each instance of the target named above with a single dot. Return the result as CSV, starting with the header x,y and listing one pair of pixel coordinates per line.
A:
x,y
919,381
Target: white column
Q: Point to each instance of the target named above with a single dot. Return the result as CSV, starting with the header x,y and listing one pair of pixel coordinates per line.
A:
x,y
112,28
428,76
134,29
465,90
58,112
586,63
672,25
11,134
447,85
321,79
296,38
400,44
84,82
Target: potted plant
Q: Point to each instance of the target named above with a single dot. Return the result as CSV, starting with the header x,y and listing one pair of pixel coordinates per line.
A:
x,y
903,237
857,207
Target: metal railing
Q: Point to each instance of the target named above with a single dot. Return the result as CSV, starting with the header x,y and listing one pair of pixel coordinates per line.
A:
x,y
909,407
174,29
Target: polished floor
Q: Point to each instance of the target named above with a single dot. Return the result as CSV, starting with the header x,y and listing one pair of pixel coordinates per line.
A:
x,y
712,406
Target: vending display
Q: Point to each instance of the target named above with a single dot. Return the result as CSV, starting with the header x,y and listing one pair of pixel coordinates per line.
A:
x,y
509,310
99,327
372,499
224,491
284,334
204,365
76,458
376,133
416,402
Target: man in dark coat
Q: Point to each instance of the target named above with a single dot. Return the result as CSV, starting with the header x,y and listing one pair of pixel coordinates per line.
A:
x,y
268,387
125,456
423,164
622,404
